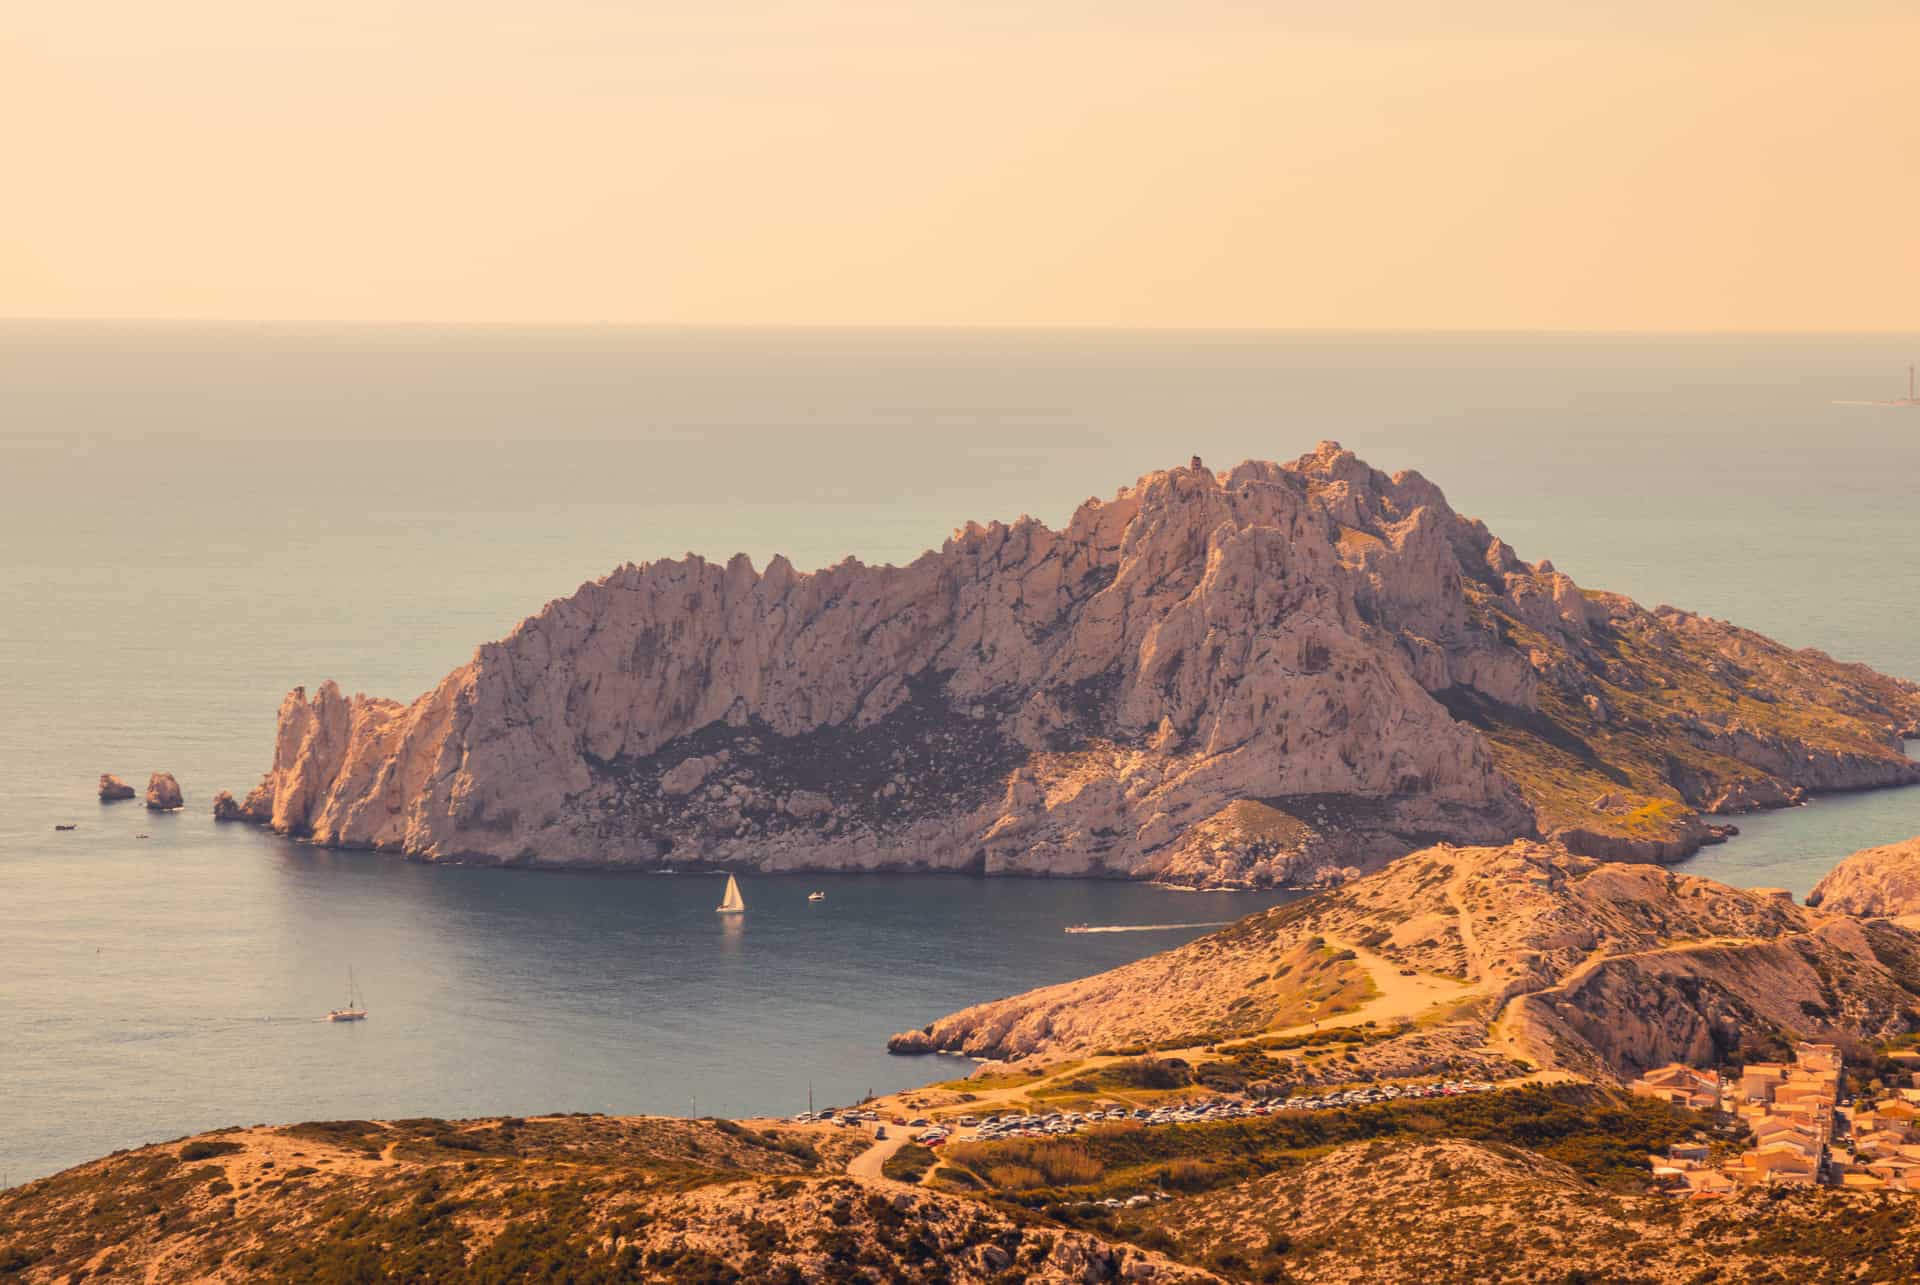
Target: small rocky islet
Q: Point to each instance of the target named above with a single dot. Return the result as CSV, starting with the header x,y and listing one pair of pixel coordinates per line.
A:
x,y
163,793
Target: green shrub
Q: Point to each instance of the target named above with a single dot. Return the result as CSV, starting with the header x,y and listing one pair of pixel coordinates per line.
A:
x,y
1150,1073
910,1163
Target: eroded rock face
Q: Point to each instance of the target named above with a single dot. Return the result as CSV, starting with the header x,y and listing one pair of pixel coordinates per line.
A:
x,y
1274,674
1874,881
163,792
113,789
227,808
911,1043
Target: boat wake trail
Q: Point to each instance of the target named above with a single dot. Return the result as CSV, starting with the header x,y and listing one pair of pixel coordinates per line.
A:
x,y
1143,928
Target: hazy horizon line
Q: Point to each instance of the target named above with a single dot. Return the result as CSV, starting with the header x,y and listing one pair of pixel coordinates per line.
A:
x,y
937,327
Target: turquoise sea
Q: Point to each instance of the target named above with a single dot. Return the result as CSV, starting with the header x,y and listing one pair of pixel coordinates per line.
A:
x,y
195,518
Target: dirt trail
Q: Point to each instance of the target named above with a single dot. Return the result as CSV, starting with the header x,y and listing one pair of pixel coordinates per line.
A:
x,y
867,1165
1468,942
1502,1038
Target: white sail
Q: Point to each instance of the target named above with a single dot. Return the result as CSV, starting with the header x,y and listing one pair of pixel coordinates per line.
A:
x,y
732,903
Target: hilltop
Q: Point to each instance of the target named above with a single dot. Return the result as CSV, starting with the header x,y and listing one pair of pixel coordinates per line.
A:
x,y
1502,960
1276,674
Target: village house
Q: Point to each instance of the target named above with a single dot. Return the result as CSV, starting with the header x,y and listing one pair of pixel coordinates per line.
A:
x,y
1780,1162
1791,1109
1883,1142
1760,1079
1708,1184
1681,1085
1897,1172
1820,1058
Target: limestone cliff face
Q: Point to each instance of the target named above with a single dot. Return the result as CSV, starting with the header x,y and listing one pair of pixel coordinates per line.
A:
x,y
1273,674
1874,881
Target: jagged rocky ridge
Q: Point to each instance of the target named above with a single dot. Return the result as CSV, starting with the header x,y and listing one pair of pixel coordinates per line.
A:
x,y
1275,674
1602,969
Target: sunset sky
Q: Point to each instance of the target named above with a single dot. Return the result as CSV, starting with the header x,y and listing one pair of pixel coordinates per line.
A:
x,y
1646,164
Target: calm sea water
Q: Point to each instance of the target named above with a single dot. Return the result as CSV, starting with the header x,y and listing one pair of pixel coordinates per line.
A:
x,y
194,518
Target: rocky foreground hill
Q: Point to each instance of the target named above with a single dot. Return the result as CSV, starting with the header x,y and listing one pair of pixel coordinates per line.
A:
x,y
1275,674
1499,960
1509,1187
586,1199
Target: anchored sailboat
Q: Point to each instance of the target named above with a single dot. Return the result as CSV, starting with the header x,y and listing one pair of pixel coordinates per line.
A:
x,y
353,1012
732,903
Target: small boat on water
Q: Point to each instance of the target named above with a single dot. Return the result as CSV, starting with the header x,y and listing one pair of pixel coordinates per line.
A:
x,y
353,1012
816,896
732,903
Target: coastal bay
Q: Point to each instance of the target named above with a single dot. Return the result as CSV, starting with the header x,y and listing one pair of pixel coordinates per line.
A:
x,y
171,983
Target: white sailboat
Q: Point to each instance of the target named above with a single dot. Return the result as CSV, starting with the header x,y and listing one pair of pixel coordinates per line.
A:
x,y
353,1012
732,903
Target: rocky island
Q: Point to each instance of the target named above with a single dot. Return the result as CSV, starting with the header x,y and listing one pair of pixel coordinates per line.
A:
x,y
1277,674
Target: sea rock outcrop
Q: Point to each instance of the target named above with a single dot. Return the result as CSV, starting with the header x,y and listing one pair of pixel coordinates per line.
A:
x,y
113,789
1873,881
911,1043
163,793
227,808
1274,674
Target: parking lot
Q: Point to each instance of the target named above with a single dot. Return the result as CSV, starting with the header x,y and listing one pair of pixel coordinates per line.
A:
x,y
1063,1123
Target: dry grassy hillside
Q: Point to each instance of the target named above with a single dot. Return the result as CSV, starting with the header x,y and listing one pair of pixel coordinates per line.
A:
x,y
1525,952
1455,1212
1534,1184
